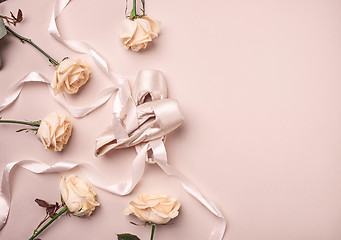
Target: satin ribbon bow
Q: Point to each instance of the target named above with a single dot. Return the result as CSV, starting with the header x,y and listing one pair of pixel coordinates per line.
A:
x,y
138,125
145,120
136,122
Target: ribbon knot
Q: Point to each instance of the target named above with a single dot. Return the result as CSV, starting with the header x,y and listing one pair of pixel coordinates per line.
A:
x,y
142,119
145,119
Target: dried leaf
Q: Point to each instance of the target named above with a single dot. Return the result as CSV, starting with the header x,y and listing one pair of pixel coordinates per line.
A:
x,y
13,20
12,15
19,16
42,203
127,236
50,209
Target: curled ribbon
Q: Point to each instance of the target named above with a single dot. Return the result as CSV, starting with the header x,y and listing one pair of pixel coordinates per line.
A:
x,y
145,126
15,91
154,120
41,168
136,122
120,83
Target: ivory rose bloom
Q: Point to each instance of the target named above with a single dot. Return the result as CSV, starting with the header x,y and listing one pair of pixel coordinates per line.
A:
x,y
154,208
70,75
54,131
137,33
78,196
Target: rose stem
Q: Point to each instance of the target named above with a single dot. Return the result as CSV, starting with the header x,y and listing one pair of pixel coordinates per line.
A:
x,y
133,11
34,45
35,124
153,230
48,224
143,8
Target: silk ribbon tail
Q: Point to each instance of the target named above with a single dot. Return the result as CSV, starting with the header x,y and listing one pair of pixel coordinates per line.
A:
x,y
33,166
120,82
124,188
15,91
92,176
79,112
220,225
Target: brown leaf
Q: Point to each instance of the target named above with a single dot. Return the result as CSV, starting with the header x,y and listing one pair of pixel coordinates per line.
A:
x,y
50,209
42,203
12,15
19,16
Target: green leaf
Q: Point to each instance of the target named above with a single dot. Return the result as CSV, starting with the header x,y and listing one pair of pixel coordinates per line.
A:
x,y
127,236
3,31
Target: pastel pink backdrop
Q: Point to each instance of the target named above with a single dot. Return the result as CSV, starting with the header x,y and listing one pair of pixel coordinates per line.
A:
x,y
259,85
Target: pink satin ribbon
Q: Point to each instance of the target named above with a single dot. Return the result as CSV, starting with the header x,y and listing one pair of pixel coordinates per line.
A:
x,y
136,122
145,127
78,112
41,168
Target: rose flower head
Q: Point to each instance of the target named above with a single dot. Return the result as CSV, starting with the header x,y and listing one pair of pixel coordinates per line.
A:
x,y
78,196
54,131
70,75
154,208
137,33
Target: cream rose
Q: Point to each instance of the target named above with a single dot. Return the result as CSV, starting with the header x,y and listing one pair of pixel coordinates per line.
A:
x,y
78,196
137,33
154,208
54,131
70,75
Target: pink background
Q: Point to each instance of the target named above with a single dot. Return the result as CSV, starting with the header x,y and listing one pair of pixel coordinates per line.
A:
x,y
259,84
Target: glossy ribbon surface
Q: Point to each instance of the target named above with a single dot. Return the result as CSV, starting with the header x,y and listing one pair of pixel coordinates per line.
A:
x,y
145,126
120,82
41,168
140,119
15,91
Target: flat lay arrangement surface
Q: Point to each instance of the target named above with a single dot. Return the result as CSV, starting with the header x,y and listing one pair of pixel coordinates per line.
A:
x,y
244,96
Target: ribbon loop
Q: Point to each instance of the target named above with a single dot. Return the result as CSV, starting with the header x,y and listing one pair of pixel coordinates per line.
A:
x,y
145,126
77,112
136,122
